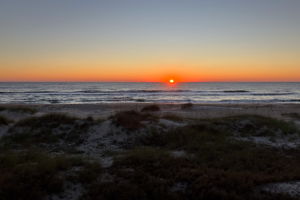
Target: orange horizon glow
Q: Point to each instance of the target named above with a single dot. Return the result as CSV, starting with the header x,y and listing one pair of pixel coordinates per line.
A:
x,y
203,78
158,71
184,74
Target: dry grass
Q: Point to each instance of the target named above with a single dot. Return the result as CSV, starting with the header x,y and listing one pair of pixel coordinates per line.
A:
x,y
255,125
32,175
151,173
131,120
292,115
173,117
151,108
186,106
49,120
21,109
47,130
214,166
4,121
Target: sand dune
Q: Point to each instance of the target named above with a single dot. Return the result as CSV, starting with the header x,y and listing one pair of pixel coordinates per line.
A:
x,y
98,149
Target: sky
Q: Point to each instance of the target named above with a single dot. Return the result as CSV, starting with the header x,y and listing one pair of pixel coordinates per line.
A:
x,y
149,40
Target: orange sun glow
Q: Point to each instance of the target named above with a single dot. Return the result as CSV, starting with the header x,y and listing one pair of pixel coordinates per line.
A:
x,y
171,81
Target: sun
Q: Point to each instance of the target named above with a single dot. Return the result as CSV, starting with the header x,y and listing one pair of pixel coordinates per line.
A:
x,y
171,81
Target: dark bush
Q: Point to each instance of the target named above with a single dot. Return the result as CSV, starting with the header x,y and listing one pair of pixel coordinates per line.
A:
x,y
186,106
151,108
4,121
131,120
47,129
31,175
21,109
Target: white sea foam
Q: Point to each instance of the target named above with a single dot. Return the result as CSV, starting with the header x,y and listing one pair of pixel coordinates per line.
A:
x,y
70,93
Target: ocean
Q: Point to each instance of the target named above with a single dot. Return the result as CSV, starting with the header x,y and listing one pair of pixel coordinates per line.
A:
x,y
118,92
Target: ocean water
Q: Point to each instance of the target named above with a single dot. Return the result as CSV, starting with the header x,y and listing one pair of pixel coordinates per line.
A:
x,y
116,92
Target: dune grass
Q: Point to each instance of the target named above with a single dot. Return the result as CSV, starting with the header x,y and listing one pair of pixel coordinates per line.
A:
x,y
152,173
186,106
213,147
20,109
255,125
150,108
292,115
173,117
48,129
214,166
131,120
89,173
4,121
49,120
32,175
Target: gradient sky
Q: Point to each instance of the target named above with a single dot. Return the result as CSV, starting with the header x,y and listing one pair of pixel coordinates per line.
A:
x,y
149,40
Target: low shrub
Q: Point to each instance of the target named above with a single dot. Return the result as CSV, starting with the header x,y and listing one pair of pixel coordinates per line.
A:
x,y
151,173
292,115
4,121
255,125
131,120
32,175
21,109
46,130
151,108
173,117
186,106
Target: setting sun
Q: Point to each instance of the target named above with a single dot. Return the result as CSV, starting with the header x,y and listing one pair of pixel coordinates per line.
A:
x,y
171,81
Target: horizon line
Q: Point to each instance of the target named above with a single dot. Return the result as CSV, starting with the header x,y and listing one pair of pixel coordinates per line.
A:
x,y
149,82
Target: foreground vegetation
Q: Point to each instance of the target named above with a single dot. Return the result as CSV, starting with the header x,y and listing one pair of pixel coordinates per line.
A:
x,y
18,109
4,121
51,130
200,159
34,175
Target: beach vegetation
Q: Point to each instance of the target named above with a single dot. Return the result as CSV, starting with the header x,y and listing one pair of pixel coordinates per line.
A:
x,y
214,165
4,121
255,125
131,120
33,175
48,129
186,106
89,173
292,115
152,173
20,109
48,120
173,117
151,108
